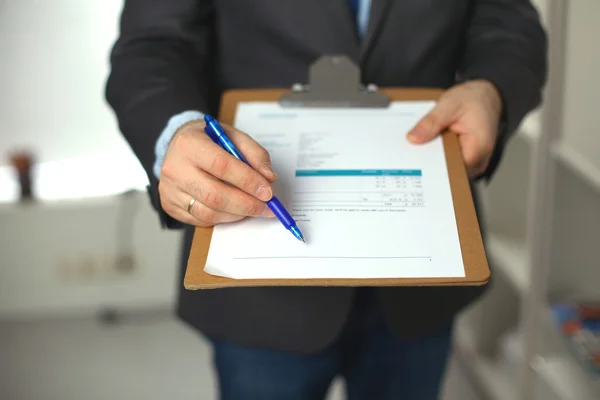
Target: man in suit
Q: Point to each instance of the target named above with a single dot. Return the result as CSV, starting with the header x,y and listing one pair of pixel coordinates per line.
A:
x,y
171,62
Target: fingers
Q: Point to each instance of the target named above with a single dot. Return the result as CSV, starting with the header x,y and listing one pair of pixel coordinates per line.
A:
x,y
176,203
219,197
225,189
182,176
201,216
187,218
220,164
257,156
204,215
472,110
171,203
199,150
432,124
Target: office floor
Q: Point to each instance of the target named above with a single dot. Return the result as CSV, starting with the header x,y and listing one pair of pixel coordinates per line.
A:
x,y
148,357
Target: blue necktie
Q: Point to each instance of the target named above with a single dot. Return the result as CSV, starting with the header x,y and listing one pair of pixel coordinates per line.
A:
x,y
361,15
354,8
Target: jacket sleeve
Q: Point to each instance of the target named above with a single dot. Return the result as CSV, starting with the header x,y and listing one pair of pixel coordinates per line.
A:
x,y
159,68
507,45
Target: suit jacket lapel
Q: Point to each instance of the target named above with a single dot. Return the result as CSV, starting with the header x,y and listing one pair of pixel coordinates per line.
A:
x,y
377,16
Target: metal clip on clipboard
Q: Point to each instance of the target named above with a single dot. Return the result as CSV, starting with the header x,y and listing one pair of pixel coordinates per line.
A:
x,y
334,81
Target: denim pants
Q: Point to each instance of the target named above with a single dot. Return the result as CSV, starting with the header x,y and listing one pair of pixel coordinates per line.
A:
x,y
373,364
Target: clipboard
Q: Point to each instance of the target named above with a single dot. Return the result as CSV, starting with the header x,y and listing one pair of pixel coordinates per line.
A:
x,y
335,82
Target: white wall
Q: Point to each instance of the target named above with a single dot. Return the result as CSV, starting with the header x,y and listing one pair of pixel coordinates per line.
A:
x,y
582,116
54,66
59,256
52,76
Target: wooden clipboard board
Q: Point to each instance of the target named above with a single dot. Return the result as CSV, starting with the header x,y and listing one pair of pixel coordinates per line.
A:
x,y
475,262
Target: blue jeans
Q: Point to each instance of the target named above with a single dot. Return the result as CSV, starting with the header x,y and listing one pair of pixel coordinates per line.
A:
x,y
373,364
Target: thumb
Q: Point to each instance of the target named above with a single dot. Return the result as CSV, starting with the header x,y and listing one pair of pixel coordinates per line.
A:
x,y
432,124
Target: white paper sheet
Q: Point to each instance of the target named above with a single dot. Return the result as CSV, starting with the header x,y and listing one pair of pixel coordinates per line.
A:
x,y
369,203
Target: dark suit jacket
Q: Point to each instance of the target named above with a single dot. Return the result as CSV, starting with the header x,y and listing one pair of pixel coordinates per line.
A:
x,y
176,55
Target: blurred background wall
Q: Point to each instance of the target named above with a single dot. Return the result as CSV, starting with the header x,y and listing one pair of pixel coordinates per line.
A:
x,y
88,316
52,75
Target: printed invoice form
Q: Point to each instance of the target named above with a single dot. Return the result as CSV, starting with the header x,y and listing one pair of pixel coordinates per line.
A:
x,y
369,203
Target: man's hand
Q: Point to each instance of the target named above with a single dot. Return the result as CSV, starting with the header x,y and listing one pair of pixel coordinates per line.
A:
x,y
225,189
473,111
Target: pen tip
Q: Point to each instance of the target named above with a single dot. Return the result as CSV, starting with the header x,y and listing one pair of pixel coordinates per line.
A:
x,y
297,234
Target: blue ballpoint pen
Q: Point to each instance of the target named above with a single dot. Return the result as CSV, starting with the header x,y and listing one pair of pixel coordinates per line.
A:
x,y
215,130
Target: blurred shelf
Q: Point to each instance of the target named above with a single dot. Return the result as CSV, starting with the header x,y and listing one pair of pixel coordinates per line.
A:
x,y
573,254
509,255
85,177
578,164
531,127
40,207
557,359
487,374
564,379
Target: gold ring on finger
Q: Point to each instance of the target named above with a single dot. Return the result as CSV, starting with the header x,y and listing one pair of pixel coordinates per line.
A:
x,y
191,203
